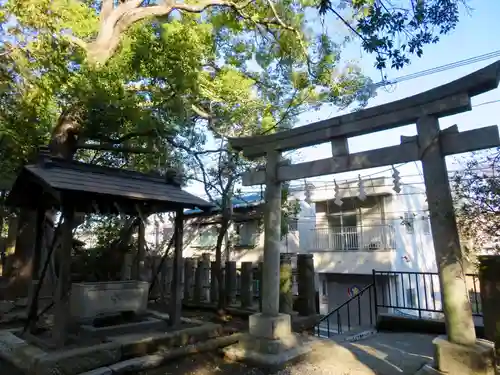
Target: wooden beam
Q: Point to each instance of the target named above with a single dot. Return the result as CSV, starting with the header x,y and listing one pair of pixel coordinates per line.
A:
x,y
35,269
349,126
139,265
476,83
61,314
452,143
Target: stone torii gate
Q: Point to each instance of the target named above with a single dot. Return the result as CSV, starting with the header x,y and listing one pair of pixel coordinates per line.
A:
x,y
430,146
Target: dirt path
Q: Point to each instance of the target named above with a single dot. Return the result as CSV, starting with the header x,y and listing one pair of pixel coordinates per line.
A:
x,y
380,354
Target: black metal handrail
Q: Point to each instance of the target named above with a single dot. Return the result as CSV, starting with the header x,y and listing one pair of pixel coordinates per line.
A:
x,y
402,292
346,304
417,291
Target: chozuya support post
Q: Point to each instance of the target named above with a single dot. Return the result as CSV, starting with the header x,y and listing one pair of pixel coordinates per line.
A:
x,y
64,280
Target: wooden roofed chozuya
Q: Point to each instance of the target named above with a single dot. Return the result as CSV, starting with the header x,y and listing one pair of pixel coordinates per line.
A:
x,y
74,188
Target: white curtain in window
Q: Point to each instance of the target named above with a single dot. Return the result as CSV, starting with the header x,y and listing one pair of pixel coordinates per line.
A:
x,y
247,233
207,237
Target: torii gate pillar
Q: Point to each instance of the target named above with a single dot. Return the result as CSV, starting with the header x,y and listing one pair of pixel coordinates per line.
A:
x,y
270,342
449,258
272,237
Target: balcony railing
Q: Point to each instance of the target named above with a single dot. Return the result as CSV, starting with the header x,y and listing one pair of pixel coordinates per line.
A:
x,y
361,238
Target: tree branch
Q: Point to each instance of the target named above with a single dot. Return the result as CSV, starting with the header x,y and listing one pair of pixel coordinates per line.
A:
x,y
200,112
106,9
113,148
127,137
277,20
126,14
190,151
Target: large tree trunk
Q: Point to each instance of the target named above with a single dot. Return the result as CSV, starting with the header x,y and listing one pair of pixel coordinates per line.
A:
x,y
64,139
63,144
10,243
20,262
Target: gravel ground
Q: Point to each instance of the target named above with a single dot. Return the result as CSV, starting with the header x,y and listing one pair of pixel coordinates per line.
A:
x,y
8,369
381,354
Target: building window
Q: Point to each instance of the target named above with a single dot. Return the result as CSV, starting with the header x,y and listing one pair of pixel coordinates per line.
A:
x,y
246,233
167,232
411,297
293,225
323,287
408,222
426,225
207,237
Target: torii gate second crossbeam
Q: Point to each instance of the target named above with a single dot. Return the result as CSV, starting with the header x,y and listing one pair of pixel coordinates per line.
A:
x,y
430,146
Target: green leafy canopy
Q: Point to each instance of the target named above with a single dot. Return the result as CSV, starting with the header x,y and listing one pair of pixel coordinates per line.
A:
x,y
142,74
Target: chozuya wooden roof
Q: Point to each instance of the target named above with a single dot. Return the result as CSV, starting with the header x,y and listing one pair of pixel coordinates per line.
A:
x,y
52,182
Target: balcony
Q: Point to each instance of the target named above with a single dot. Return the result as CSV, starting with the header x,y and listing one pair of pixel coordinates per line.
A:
x,y
359,238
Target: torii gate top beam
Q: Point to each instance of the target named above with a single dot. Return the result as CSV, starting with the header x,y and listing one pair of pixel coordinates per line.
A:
x,y
445,100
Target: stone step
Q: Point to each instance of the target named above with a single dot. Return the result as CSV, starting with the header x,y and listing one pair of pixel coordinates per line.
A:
x,y
354,334
140,344
70,361
159,358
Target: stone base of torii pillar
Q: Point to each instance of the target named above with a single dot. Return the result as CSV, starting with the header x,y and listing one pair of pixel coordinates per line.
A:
x,y
270,341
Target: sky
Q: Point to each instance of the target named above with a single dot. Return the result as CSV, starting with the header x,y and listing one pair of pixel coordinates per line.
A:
x,y
476,34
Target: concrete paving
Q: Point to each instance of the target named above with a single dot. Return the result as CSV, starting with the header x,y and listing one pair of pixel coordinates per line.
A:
x,y
391,353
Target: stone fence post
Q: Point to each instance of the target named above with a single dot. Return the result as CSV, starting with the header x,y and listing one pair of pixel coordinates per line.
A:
x,y
246,290
307,290
261,283
198,285
286,279
205,277
214,289
230,281
166,276
489,283
189,269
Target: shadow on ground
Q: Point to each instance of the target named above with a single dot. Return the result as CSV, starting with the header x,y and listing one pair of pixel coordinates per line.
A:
x,y
393,353
381,354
